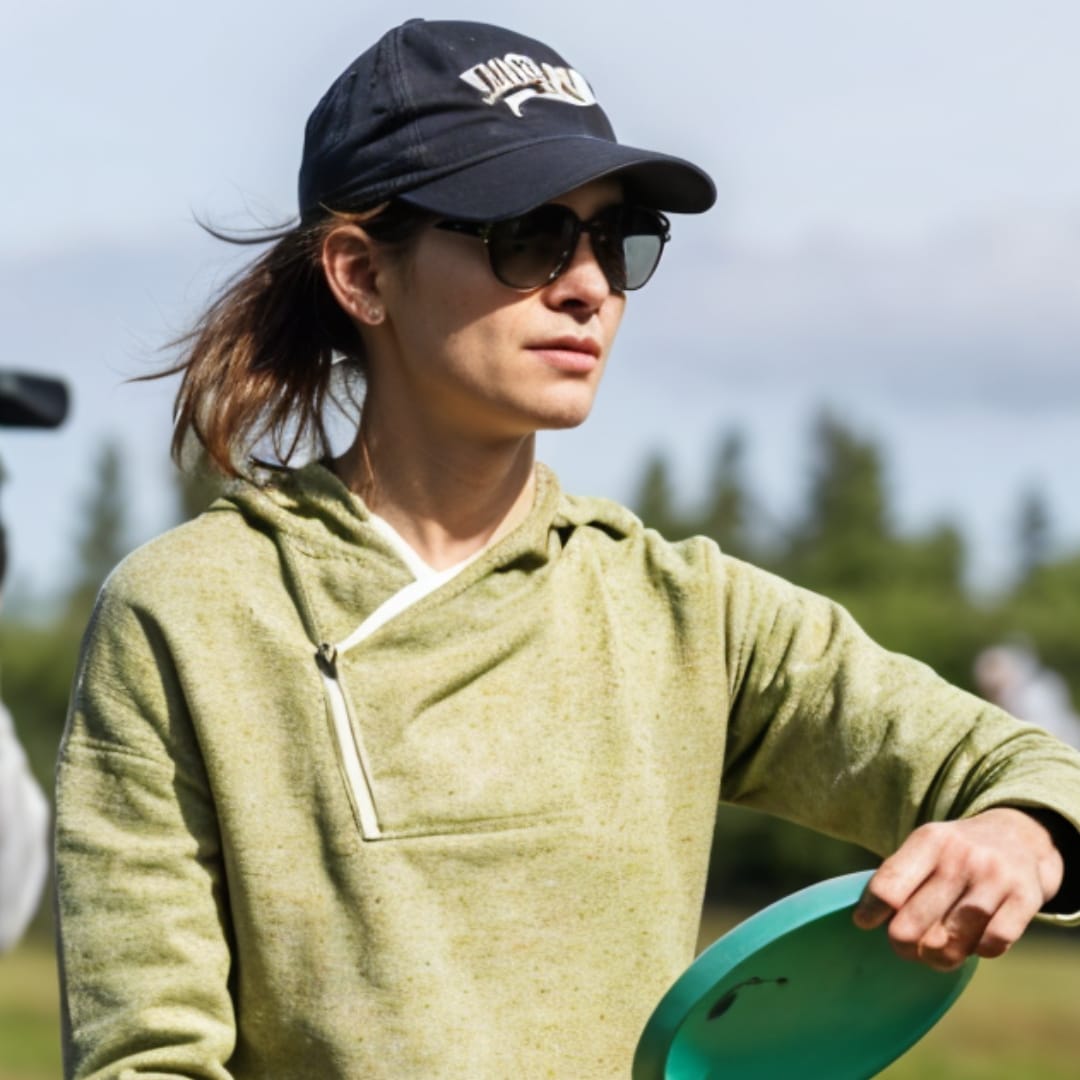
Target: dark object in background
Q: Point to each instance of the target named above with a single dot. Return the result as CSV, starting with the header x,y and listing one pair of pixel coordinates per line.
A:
x,y
28,401
31,400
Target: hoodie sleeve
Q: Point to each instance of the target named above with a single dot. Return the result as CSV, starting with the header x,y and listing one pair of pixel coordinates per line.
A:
x,y
832,731
142,919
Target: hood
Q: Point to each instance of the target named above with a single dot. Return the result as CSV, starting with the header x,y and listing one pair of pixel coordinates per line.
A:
x,y
319,515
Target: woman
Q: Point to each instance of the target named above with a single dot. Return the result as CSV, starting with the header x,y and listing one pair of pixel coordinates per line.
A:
x,y
404,763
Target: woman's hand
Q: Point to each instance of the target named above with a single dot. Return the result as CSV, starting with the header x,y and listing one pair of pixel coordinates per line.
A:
x,y
957,888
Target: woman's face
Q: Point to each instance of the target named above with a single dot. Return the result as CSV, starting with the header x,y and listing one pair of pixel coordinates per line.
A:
x,y
459,350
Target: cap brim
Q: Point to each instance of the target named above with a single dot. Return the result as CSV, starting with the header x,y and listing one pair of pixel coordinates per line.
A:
x,y
520,179
31,400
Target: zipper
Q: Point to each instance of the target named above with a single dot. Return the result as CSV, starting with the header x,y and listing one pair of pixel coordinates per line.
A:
x,y
354,760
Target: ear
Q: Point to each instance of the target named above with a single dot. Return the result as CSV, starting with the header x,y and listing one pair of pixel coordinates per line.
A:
x,y
349,262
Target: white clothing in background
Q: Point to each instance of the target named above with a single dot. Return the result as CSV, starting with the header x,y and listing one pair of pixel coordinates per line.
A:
x,y
1012,677
24,844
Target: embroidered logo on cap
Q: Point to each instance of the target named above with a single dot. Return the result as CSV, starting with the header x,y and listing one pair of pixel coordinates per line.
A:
x,y
513,79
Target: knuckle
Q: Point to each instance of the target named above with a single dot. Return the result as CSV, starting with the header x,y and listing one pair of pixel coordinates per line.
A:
x,y
903,933
962,861
889,891
966,927
972,912
960,848
1030,898
943,951
934,831
984,865
884,884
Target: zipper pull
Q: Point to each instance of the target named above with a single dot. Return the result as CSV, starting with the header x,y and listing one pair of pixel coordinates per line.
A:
x,y
326,657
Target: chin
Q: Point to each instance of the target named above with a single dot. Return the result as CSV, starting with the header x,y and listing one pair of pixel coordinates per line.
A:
x,y
565,411
564,419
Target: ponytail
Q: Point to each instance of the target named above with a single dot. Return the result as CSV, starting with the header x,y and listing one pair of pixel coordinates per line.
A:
x,y
258,364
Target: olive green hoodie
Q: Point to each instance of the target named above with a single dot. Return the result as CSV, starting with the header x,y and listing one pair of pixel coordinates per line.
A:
x,y
470,839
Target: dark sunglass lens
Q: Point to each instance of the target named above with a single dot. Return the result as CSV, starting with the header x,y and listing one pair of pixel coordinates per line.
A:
x,y
641,254
607,234
628,242
644,233
530,250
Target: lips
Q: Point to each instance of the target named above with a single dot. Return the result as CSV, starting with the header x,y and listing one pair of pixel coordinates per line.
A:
x,y
570,354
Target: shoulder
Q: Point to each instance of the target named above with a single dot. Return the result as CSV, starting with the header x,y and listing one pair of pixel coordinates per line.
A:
x,y
618,537
210,555
687,570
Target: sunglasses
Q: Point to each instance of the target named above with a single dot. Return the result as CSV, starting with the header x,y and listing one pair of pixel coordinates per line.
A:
x,y
534,249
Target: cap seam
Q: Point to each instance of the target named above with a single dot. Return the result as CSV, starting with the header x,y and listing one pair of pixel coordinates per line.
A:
x,y
403,92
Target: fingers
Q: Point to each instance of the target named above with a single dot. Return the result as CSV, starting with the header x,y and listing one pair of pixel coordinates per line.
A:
x,y
899,877
1005,928
943,923
946,898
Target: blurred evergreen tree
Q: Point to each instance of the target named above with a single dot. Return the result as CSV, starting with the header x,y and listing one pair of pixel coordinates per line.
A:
x,y
655,502
197,484
1033,532
101,535
843,539
728,511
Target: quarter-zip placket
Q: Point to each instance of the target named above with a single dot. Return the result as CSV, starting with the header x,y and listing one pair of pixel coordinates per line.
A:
x,y
347,729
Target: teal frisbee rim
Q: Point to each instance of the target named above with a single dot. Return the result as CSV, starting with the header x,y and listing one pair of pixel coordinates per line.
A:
x,y
796,990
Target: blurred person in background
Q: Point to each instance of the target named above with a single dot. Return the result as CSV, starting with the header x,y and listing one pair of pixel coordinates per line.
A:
x,y
25,401
401,762
1012,677
24,823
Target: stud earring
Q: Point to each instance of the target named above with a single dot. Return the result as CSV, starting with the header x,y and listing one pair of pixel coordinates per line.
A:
x,y
369,312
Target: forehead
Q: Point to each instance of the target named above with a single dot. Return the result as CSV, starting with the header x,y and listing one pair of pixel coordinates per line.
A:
x,y
593,196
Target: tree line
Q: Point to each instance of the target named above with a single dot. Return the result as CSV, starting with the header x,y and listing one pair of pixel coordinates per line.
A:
x,y
907,589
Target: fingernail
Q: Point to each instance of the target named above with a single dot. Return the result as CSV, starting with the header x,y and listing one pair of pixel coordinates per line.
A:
x,y
871,911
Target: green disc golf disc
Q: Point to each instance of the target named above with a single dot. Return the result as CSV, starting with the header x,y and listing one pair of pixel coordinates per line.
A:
x,y
796,991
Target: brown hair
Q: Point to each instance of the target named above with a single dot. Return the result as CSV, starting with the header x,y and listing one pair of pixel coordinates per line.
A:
x,y
258,363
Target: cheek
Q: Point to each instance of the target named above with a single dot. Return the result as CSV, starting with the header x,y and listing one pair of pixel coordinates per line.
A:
x,y
462,308
611,317
452,288
481,342
456,327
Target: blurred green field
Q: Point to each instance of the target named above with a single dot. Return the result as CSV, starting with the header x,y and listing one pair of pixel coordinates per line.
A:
x,y
29,1008
1019,1018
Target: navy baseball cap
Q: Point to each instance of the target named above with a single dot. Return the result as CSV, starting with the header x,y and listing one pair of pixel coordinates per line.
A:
x,y
472,121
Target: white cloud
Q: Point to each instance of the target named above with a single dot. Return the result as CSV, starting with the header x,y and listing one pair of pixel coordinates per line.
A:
x,y
986,312
878,129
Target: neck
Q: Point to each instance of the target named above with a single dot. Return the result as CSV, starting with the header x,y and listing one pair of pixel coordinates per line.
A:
x,y
447,498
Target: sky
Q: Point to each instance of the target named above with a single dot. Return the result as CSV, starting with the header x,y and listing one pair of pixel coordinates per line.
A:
x,y
897,236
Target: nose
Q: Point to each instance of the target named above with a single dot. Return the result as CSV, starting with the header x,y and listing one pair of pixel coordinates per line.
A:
x,y
582,286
